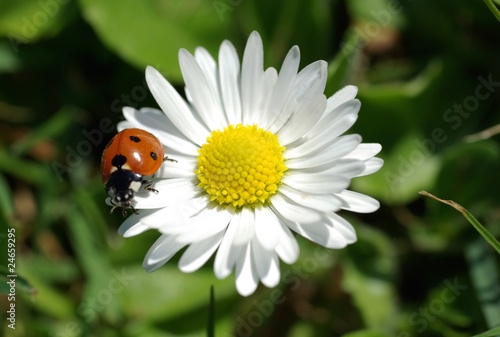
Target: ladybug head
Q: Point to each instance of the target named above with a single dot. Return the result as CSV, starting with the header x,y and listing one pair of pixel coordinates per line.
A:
x,y
121,188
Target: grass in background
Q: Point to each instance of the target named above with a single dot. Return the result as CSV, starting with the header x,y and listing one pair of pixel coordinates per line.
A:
x,y
67,68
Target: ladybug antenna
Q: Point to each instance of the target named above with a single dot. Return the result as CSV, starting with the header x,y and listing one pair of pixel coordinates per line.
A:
x,y
133,210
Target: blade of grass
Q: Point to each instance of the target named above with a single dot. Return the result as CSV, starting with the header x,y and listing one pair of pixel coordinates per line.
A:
x,y
6,200
20,282
91,211
211,314
484,276
493,8
485,134
28,171
477,225
91,254
49,129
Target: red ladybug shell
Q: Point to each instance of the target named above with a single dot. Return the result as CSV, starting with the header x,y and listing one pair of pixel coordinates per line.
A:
x,y
143,152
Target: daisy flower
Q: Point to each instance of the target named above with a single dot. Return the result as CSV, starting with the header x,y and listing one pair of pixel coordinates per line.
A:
x,y
260,157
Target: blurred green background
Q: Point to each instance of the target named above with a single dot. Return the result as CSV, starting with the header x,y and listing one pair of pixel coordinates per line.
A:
x,y
429,81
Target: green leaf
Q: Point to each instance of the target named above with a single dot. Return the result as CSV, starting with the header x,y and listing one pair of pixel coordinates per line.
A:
x,y
277,23
381,14
168,293
163,27
490,333
366,333
368,276
407,169
9,62
25,21
480,160
404,102
152,32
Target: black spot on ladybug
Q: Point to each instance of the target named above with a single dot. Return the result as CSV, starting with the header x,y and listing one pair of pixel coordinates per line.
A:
x,y
119,160
135,139
153,155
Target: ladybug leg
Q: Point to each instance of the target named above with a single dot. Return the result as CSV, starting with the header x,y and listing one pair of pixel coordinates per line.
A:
x,y
133,210
124,210
169,159
148,183
113,209
147,186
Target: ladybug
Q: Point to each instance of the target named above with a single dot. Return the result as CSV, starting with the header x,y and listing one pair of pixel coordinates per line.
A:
x,y
131,155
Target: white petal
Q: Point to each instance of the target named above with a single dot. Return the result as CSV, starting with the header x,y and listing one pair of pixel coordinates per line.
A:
x,y
316,183
319,202
357,202
170,191
252,79
343,95
163,217
320,233
308,113
372,165
246,275
227,252
335,124
173,219
209,68
205,100
283,87
182,167
207,223
198,253
308,77
343,226
125,125
266,227
292,211
266,263
132,225
287,249
270,78
246,227
321,144
162,250
347,168
158,124
338,148
174,106
229,74
365,151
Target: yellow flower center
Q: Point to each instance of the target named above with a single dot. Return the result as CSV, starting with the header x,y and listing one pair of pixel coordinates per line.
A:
x,y
241,165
